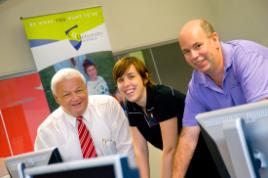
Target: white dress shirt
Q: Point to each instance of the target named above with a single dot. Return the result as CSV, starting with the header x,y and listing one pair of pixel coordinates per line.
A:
x,y
107,124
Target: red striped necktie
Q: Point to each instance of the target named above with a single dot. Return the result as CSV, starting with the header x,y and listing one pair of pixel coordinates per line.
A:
x,y
86,142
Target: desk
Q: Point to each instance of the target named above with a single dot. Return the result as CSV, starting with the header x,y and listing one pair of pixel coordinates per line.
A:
x,y
3,170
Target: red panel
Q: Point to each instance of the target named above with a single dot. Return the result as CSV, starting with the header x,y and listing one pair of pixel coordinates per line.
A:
x,y
4,149
17,129
35,113
24,107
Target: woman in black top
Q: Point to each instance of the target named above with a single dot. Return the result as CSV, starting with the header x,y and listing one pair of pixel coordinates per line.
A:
x,y
154,112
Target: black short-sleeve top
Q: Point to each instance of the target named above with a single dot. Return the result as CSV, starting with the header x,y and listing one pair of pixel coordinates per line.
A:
x,y
163,103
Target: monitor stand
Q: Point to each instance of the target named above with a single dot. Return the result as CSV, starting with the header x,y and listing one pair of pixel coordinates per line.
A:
x,y
240,154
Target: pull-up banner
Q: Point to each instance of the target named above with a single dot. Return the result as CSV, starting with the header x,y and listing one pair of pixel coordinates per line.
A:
x,y
76,39
56,37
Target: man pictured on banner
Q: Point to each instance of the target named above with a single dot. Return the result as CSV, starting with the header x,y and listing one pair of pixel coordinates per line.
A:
x,y
83,126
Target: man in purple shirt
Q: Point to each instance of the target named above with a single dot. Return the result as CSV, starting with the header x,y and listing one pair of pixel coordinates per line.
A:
x,y
225,75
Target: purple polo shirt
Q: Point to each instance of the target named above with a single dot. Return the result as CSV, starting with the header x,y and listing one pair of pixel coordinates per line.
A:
x,y
245,80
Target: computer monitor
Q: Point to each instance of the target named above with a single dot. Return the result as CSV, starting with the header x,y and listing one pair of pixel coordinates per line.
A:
x,y
115,166
32,159
237,138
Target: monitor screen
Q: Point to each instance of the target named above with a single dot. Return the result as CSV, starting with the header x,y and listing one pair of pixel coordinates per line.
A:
x,y
107,171
115,166
237,137
32,159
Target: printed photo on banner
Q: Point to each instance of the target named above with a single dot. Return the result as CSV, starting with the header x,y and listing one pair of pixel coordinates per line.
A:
x,y
96,68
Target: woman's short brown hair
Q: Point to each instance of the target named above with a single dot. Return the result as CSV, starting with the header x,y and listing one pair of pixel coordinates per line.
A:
x,y
123,64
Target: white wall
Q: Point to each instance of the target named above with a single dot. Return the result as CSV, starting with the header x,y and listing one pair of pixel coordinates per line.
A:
x,y
130,24
241,19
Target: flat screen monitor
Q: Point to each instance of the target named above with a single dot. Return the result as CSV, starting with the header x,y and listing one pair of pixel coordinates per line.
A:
x,y
238,139
115,166
32,159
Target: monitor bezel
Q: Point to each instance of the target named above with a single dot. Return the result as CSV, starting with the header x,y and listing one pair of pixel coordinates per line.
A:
x,y
212,122
114,160
32,159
